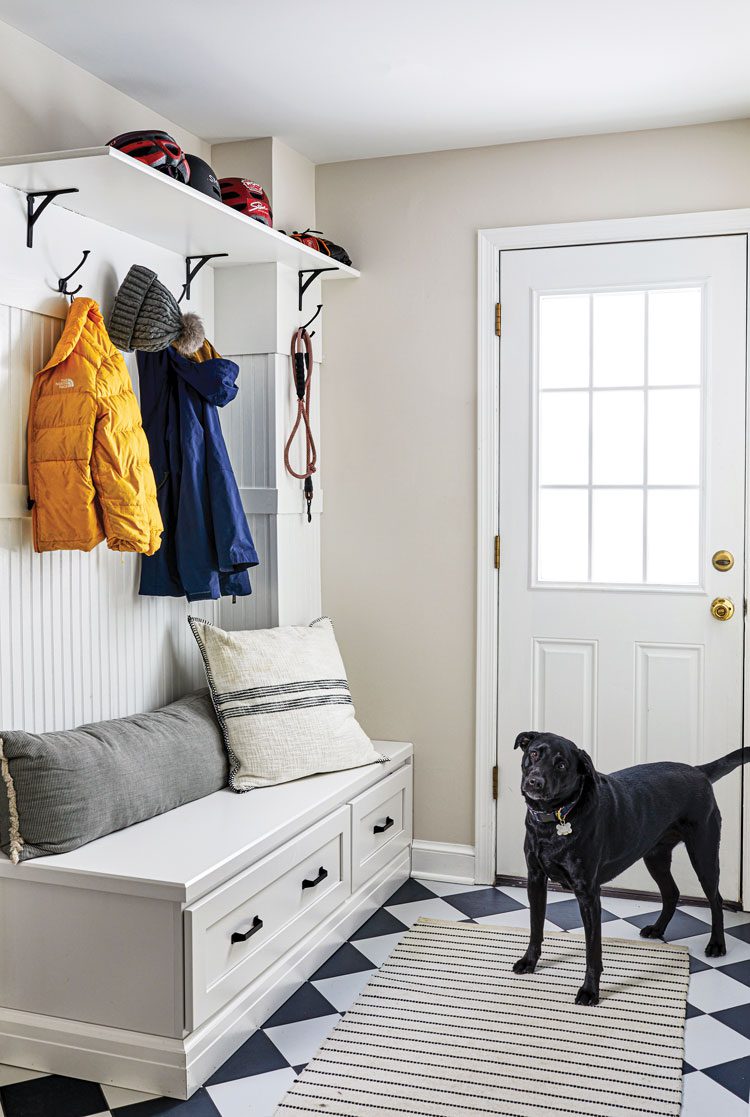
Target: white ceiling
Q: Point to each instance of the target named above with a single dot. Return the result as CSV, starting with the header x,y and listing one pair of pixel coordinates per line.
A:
x,y
346,79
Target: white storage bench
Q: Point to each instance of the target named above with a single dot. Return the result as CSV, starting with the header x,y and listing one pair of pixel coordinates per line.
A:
x,y
145,958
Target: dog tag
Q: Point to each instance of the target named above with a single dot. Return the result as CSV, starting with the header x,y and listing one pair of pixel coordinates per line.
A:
x,y
564,828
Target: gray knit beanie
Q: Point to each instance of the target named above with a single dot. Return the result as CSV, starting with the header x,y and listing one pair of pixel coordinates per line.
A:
x,y
146,316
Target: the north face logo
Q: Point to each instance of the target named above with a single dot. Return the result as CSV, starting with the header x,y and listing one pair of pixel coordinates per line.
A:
x,y
66,383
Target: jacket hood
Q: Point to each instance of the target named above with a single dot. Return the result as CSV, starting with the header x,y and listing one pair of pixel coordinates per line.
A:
x,y
82,311
213,377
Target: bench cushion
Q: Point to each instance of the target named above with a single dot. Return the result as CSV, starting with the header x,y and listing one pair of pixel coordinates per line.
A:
x,y
59,791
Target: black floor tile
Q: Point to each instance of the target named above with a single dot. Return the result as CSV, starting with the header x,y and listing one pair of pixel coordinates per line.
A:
x,y
381,923
53,1096
567,914
256,1056
737,1018
305,1004
410,891
347,959
483,901
200,1105
734,1076
681,925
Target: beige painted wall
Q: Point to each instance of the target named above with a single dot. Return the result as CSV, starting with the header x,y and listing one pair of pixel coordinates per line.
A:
x,y
398,407
47,103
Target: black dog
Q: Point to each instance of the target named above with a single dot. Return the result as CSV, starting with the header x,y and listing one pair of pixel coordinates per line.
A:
x,y
583,828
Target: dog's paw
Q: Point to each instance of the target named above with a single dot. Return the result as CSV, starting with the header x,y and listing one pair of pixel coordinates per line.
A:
x,y
587,996
651,932
524,965
716,949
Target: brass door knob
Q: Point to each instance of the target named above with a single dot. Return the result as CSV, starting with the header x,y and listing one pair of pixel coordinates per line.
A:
x,y
722,608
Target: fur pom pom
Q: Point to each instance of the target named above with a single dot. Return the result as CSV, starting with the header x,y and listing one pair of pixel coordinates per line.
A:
x,y
191,336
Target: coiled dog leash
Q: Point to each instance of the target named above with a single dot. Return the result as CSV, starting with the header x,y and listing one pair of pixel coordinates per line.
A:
x,y
302,366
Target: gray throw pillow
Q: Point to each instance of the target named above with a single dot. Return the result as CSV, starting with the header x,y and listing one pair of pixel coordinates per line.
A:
x,y
59,791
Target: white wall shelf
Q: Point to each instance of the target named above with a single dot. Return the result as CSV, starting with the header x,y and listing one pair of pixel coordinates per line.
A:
x,y
125,194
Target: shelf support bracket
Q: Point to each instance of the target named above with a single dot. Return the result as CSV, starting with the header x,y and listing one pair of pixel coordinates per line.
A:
x,y
33,212
313,274
191,271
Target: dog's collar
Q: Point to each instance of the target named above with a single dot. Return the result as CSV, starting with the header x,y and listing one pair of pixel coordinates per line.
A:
x,y
560,816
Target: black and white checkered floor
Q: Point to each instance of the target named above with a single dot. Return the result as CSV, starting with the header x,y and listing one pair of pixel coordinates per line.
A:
x,y
252,1081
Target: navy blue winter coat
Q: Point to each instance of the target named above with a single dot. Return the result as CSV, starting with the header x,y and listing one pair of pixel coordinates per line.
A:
x,y
206,547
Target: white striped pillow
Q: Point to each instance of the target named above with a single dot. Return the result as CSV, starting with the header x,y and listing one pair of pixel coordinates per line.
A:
x,y
283,702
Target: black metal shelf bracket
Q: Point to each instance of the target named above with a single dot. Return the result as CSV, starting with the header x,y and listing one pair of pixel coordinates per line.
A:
x,y
313,274
191,271
34,212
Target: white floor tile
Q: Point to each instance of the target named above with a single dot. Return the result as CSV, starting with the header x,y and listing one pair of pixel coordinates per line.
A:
x,y
342,991
624,907
520,894
737,950
257,1096
709,1042
378,948
702,1096
299,1042
448,888
712,991
621,929
9,1075
117,1096
432,909
731,918
518,920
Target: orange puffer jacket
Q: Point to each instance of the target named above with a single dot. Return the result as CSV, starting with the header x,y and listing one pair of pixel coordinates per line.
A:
x,y
89,471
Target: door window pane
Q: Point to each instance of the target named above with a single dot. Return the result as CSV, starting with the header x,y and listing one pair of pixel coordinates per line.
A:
x,y
674,336
619,350
617,441
674,441
617,535
564,438
620,429
563,535
673,550
564,341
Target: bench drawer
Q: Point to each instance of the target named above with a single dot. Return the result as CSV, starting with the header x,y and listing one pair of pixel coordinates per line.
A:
x,y
237,931
381,824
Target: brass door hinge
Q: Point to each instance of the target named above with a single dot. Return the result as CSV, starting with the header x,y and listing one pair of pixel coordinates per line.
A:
x,y
497,320
497,552
495,780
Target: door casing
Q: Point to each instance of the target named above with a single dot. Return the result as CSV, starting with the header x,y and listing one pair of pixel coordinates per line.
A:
x,y
490,243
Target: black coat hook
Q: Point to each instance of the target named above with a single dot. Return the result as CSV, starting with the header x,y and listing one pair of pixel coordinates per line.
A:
x,y
62,284
315,315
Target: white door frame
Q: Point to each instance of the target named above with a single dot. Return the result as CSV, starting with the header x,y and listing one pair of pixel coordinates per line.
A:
x,y
490,243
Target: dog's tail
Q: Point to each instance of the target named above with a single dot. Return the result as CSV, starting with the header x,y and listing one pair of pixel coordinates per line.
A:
x,y
715,769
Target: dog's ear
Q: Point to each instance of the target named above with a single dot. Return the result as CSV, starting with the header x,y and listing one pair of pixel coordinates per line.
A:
x,y
523,740
586,766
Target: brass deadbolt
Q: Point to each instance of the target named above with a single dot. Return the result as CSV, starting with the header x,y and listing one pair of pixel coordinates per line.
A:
x,y
722,560
722,608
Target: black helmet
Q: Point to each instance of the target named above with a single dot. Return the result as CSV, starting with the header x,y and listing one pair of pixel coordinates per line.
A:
x,y
203,178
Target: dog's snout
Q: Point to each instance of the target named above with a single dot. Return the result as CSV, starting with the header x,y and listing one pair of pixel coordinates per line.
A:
x,y
535,783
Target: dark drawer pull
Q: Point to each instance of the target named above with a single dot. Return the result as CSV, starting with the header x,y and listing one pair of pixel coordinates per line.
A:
x,y
386,826
243,936
322,874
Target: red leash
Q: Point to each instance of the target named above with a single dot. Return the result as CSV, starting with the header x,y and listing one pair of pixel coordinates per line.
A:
x,y
302,366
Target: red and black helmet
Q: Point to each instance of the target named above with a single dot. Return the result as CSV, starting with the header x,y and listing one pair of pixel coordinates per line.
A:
x,y
156,149
247,197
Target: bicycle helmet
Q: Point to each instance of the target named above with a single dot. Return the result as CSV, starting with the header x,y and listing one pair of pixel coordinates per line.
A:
x,y
248,197
203,178
157,149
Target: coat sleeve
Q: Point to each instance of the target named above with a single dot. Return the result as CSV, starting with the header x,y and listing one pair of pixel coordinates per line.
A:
x,y
121,469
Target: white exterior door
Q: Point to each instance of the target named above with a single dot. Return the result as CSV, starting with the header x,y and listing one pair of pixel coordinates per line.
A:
x,y
622,473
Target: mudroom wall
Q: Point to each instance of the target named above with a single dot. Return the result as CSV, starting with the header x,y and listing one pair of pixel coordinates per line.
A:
x,y
77,644
399,405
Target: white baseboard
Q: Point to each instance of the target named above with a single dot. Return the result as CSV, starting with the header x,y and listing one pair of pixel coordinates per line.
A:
x,y
443,861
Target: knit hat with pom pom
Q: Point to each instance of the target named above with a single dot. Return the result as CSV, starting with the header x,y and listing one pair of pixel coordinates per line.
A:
x,y
146,316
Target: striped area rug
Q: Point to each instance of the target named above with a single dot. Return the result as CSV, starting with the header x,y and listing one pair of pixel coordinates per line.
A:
x,y
445,1028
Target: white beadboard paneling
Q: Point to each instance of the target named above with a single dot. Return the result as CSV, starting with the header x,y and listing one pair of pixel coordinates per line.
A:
x,y
78,642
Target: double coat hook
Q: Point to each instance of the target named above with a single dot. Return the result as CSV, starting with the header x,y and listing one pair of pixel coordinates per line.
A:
x,y
62,284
